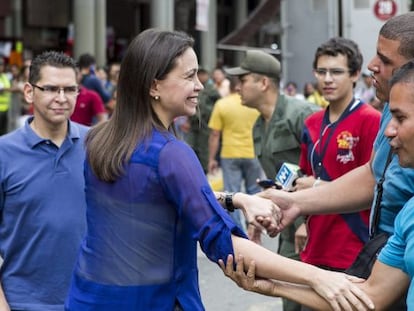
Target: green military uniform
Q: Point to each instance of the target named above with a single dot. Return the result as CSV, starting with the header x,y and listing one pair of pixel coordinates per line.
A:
x,y
278,142
199,133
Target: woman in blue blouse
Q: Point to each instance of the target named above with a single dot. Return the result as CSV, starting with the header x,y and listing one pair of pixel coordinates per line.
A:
x,y
148,200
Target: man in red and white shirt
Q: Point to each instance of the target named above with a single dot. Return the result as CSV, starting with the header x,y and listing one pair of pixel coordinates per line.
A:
x,y
335,141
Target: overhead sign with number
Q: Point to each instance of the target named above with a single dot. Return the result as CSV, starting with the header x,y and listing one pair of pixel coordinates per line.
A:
x,y
385,9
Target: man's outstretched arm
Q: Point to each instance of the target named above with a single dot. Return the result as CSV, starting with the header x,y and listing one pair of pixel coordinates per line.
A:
x,y
351,192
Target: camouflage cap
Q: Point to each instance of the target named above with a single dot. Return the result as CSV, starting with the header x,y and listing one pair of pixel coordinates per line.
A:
x,y
257,61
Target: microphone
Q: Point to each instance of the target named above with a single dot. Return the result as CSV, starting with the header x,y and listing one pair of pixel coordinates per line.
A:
x,y
287,175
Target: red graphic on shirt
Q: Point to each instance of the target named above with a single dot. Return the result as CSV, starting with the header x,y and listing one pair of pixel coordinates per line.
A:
x,y
346,142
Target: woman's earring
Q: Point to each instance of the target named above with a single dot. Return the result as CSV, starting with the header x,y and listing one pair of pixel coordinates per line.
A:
x,y
156,97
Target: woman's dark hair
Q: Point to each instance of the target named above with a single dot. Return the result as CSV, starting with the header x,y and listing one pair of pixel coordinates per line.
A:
x,y
150,56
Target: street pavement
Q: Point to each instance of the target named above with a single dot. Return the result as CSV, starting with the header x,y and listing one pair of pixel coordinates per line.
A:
x,y
219,293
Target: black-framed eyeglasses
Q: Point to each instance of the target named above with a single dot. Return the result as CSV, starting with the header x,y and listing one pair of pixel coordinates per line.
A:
x,y
54,90
333,72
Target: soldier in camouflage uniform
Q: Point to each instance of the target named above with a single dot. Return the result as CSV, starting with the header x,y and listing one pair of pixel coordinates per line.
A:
x,y
277,132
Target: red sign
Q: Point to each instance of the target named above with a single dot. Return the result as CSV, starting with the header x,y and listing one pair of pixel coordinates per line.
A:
x,y
385,9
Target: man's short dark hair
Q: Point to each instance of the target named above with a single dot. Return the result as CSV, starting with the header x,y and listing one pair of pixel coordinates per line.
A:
x,y
341,46
86,60
49,58
405,74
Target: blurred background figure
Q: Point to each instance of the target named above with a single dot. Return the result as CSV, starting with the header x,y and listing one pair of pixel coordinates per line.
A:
x,y
102,75
182,127
365,91
198,134
21,107
291,89
89,79
221,82
111,84
308,89
317,98
89,108
113,76
231,123
5,97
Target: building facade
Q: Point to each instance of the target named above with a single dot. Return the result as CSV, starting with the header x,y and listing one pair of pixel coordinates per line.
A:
x,y
105,27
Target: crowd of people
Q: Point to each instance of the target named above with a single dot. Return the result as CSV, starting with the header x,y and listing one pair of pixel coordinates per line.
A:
x,y
104,189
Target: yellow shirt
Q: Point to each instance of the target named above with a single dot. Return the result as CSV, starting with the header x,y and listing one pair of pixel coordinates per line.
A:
x,y
318,99
235,122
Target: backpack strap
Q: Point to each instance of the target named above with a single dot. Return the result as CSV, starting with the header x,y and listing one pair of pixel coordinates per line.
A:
x,y
378,198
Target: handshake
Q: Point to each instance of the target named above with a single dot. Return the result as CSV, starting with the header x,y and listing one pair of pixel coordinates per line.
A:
x,y
270,216
272,209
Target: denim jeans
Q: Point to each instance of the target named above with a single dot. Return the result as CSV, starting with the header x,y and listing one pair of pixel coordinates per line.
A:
x,y
240,174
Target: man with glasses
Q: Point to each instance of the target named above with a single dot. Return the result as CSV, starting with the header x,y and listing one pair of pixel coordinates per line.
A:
x,y
42,199
335,141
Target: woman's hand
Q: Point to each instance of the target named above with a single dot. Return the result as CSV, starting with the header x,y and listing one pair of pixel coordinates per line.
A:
x,y
255,207
286,206
247,280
